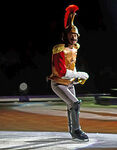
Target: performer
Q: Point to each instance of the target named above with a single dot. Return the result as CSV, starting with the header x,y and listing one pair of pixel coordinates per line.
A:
x,y
64,73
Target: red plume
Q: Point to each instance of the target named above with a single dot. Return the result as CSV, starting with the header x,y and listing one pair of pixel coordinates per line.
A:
x,y
70,9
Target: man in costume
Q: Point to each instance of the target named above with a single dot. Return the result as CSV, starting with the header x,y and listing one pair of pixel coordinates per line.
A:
x,y
64,74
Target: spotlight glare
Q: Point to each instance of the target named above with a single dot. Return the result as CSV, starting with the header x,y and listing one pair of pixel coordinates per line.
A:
x,y
23,86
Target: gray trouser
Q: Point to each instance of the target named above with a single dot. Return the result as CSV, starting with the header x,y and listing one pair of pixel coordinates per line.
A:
x,y
66,93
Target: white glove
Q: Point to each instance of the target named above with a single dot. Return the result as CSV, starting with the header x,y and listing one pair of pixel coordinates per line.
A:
x,y
73,74
82,75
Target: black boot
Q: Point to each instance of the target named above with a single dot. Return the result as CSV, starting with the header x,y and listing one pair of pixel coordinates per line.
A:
x,y
80,135
74,125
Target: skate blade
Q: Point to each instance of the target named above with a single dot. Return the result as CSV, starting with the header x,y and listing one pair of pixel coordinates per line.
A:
x,y
79,140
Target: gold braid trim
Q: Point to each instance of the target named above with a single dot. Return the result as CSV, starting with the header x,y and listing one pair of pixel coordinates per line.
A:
x,y
76,46
58,48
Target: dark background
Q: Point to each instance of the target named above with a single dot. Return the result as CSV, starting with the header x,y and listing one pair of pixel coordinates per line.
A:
x,y
29,30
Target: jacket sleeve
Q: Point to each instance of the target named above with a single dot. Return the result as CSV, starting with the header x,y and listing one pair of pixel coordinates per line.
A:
x,y
59,63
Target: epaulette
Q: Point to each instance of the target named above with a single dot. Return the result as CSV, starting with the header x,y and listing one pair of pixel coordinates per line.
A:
x,y
58,48
76,46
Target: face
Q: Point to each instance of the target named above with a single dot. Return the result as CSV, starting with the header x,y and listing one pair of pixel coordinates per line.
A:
x,y
72,38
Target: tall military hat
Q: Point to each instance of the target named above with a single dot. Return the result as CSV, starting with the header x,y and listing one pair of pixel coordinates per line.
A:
x,y
69,19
